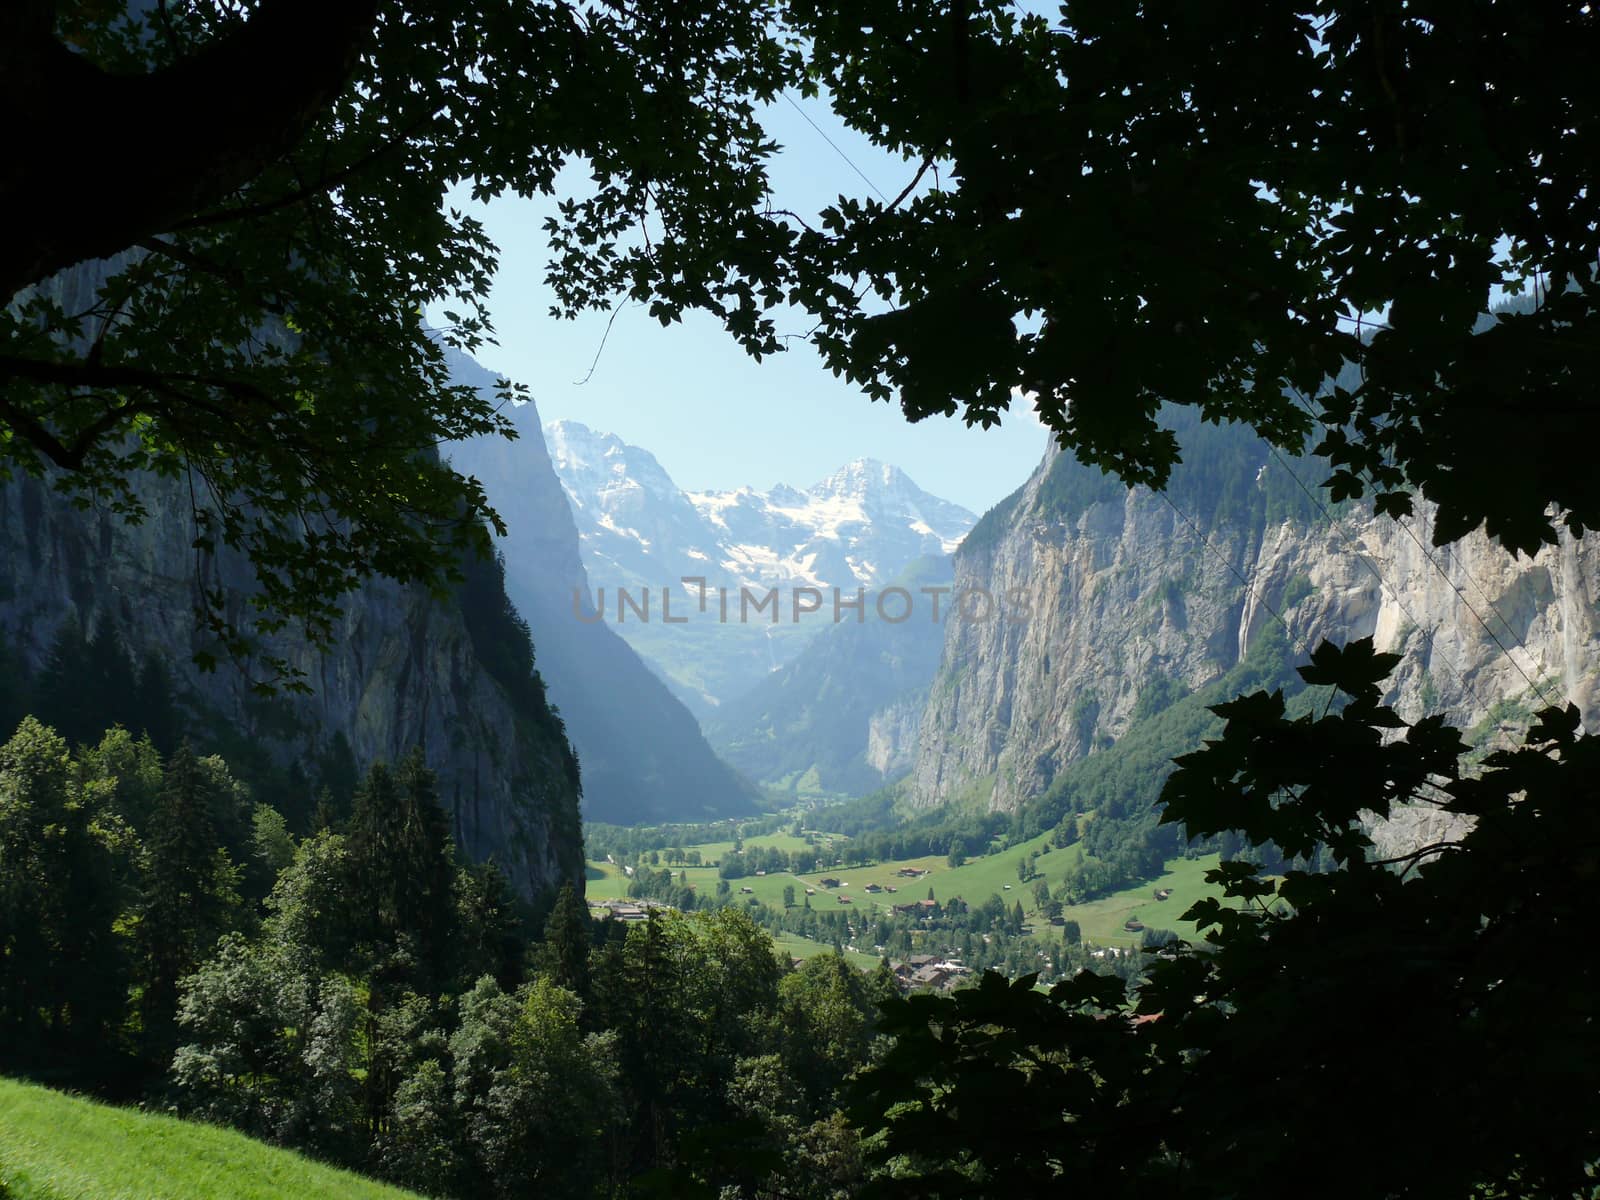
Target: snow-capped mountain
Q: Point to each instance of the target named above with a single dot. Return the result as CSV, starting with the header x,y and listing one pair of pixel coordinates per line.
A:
x,y
860,527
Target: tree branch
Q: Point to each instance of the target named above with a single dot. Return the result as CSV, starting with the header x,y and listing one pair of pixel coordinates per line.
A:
x,y
190,134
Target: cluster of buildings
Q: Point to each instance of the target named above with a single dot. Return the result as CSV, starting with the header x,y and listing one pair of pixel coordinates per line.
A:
x,y
929,971
625,910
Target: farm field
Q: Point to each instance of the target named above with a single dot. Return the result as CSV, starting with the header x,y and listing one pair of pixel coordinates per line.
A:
x,y
59,1147
975,881
799,947
1102,919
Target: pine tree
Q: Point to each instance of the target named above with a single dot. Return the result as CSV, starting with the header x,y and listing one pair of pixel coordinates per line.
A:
x,y
155,708
489,940
401,863
189,895
111,681
565,954
325,817
64,698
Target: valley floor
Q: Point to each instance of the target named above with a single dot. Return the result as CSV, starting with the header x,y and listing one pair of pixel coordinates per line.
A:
x,y
1102,921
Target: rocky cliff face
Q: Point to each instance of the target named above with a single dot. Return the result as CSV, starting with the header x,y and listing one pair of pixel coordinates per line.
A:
x,y
1127,592
644,757
402,670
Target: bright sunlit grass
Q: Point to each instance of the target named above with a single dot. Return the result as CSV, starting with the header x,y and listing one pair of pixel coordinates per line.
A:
x,y
59,1147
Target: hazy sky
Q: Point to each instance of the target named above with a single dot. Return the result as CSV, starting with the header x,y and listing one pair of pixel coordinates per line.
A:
x,y
714,417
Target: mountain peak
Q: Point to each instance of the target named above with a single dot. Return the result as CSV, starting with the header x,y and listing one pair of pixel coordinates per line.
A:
x,y
862,476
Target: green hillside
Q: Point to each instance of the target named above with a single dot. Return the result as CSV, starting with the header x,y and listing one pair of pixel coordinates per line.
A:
x,y
59,1147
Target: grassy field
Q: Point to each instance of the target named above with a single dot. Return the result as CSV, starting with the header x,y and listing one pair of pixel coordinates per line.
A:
x,y
1102,919
58,1147
799,947
975,881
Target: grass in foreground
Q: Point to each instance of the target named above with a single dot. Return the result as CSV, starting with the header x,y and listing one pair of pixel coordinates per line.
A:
x,y
59,1147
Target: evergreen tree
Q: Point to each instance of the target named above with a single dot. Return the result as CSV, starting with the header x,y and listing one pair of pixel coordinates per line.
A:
x,y
111,682
339,775
325,817
16,689
63,693
155,708
402,868
489,927
189,895
565,954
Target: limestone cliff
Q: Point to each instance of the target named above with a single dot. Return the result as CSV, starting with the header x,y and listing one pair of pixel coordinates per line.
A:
x,y
1127,592
402,671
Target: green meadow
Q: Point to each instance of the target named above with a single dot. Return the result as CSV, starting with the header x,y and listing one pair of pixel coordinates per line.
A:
x,y
59,1147
975,881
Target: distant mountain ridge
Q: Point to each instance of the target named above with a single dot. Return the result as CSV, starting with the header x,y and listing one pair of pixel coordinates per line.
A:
x,y
842,718
642,756
856,529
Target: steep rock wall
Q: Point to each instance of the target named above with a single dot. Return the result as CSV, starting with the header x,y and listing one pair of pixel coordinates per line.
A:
x,y
402,670
1127,592
643,754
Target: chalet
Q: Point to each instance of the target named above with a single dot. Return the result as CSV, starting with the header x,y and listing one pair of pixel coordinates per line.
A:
x,y
829,882
940,974
845,900
905,970
887,888
1163,893
911,872
747,890
873,888
1133,925
811,891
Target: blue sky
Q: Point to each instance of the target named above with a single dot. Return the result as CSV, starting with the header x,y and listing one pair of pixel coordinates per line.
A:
x,y
714,417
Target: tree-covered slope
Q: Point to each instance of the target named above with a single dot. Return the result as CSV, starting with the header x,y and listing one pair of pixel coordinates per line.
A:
x,y
59,1147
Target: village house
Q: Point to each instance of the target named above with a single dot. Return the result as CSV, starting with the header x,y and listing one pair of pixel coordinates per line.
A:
x,y
628,910
939,974
873,888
